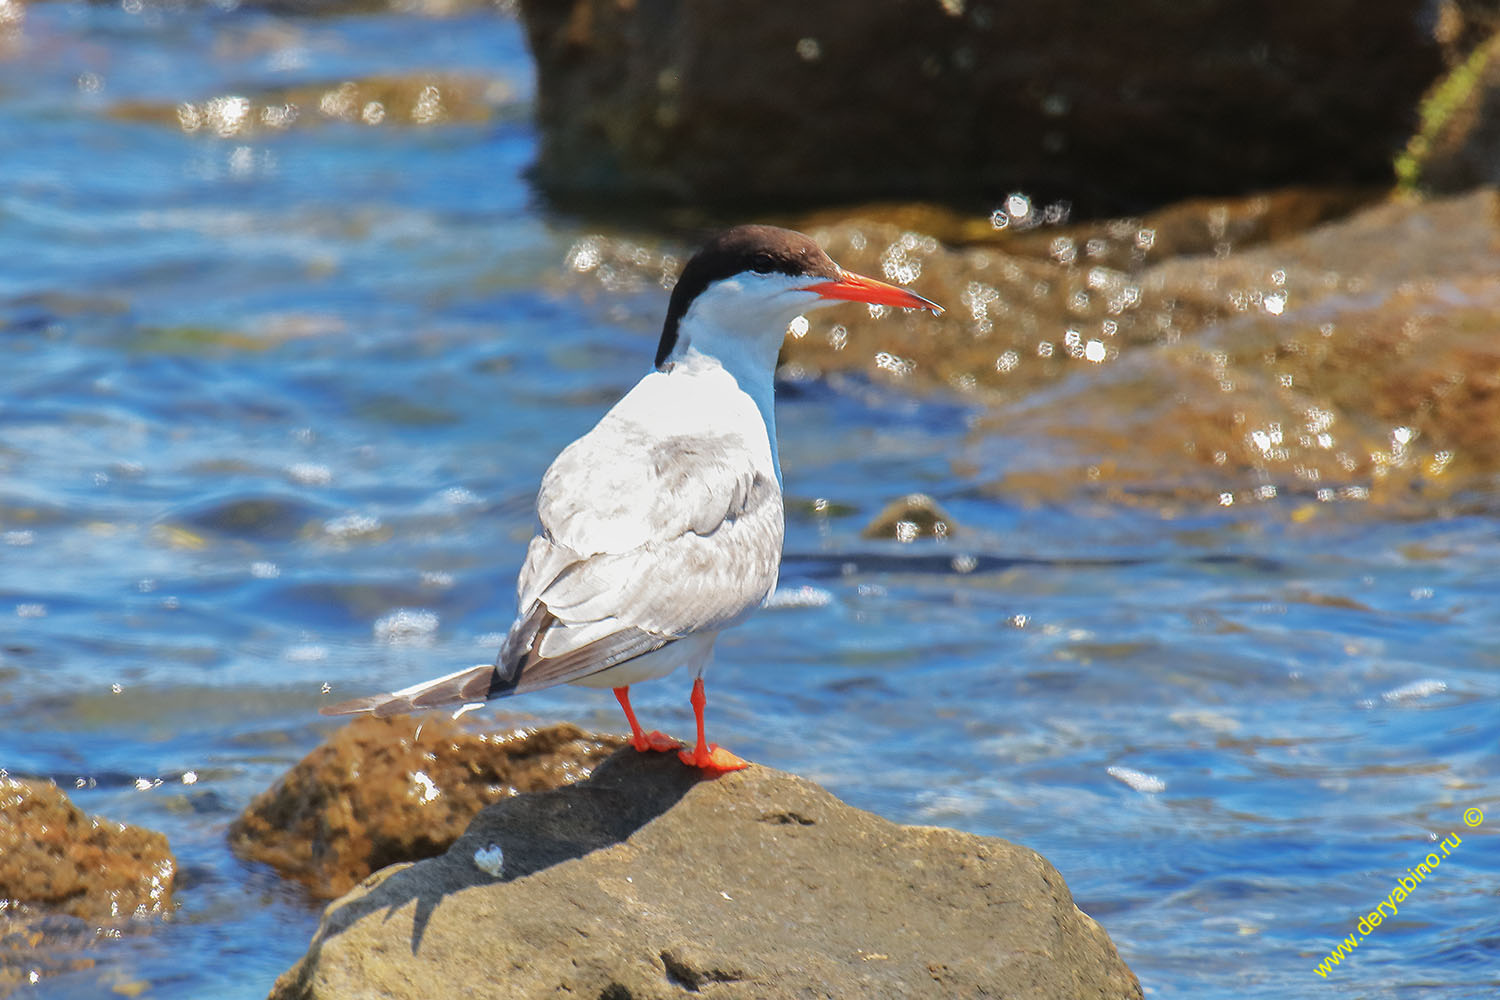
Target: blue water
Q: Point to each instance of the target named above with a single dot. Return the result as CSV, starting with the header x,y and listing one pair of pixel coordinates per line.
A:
x,y
371,330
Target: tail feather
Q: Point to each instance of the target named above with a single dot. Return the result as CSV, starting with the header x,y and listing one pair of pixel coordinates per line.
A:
x,y
517,669
474,684
458,688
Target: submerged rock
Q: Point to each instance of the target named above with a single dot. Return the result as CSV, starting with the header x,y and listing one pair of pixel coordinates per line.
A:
x,y
36,947
56,859
828,101
646,881
391,101
255,518
399,789
914,516
67,880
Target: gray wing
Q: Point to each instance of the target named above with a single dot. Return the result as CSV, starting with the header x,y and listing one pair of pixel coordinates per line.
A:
x,y
644,541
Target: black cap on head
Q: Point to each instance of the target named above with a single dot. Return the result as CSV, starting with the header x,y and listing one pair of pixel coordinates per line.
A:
x,y
762,249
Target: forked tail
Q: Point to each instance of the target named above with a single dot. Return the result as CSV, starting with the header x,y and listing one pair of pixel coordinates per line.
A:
x,y
462,687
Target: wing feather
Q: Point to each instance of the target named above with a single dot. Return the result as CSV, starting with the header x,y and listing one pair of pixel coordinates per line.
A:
x,y
686,537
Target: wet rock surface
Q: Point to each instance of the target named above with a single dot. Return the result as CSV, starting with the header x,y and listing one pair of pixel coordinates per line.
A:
x,y
36,948
1114,108
1211,353
646,881
1347,364
381,791
65,878
54,858
392,101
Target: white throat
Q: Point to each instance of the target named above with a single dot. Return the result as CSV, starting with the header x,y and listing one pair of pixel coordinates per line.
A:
x,y
737,325
707,350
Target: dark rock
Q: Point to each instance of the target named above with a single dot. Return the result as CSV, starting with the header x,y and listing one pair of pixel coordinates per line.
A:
x,y
56,859
647,882
914,516
399,789
260,518
1115,107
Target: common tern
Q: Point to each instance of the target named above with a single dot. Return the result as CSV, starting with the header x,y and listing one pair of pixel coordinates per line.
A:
x,y
662,526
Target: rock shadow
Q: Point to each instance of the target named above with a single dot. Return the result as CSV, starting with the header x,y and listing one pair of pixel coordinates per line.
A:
x,y
532,832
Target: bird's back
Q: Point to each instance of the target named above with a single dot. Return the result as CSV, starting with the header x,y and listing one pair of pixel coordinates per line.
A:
x,y
663,521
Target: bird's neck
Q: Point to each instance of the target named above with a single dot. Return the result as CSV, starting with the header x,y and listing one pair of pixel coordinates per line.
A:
x,y
750,363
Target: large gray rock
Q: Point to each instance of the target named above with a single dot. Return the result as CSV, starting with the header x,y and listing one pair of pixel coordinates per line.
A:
x,y
728,104
646,881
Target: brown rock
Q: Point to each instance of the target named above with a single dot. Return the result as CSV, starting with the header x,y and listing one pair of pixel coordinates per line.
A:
x,y
1349,361
648,882
1183,228
56,859
1012,296
65,877
420,100
915,515
399,789
1116,107
1356,362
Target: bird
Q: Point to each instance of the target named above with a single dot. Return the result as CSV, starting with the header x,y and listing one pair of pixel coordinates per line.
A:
x,y
662,526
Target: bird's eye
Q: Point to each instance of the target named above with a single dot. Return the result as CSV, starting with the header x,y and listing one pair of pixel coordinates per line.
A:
x,y
762,264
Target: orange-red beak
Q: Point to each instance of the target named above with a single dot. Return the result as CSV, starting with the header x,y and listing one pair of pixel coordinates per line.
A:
x,y
858,288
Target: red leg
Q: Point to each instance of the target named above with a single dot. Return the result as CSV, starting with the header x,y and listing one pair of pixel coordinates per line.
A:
x,y
641,740
708,756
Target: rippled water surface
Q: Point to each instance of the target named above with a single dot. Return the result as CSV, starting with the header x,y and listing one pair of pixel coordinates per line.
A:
x,y
273,407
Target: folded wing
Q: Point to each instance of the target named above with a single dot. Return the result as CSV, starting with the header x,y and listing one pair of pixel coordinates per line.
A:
x,y
644,540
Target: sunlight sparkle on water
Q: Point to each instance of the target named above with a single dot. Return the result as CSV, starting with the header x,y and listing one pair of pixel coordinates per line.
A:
x,y
1140,781
310,473
1415,691
352,525
407,626
894,364
805,596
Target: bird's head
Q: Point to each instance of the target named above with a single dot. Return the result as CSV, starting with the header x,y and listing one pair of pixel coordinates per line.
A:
x,y
747,284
